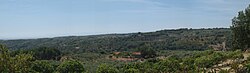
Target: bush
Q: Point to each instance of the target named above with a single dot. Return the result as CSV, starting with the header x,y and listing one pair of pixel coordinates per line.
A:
x,y
70,67
104,68
132,70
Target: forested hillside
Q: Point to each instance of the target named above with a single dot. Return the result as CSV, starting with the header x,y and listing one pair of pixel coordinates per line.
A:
x,y
179,39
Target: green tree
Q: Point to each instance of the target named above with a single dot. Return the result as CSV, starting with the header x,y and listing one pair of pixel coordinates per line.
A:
x,y
20,63
104,68
45,53
241,30
71,67
147,51
43,67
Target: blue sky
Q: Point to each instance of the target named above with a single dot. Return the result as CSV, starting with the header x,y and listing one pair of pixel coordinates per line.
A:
x,y
21,19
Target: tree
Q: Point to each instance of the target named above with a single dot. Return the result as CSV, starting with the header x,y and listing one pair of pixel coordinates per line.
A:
x,y
241,30
45,53
19,63
43,67
70,67
104,68
147,51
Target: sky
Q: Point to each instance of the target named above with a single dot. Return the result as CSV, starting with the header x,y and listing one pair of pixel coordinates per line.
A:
x,y
24,19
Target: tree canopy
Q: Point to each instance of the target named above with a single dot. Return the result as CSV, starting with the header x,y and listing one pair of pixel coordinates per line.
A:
x,y
104,68
19,63
241,30
71,67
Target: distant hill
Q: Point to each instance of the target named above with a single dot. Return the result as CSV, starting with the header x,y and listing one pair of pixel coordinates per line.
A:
x,y
176,39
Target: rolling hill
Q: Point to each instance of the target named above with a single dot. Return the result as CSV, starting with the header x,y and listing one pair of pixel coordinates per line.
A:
x,y
174,39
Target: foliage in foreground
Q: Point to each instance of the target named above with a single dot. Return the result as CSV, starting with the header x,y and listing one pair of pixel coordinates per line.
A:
x,y
25,63
19,63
